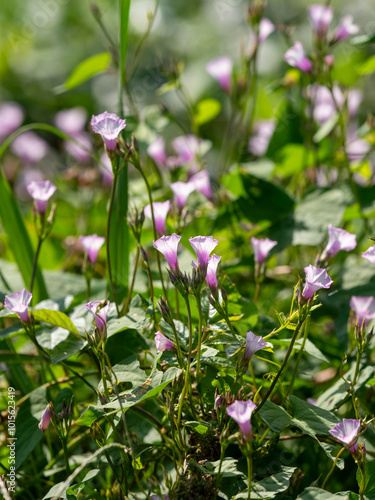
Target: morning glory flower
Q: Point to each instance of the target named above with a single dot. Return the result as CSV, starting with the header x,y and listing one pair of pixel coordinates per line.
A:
x,y
100,314
77,151
262,248
11,117
296,57
18,302
315,280
201,183
346,432
29,147
221,69
168,246
161,209
357,149
203,246
345,29
370,254
45,419
187,147
41,192
71,121
320,17
339,239
211,278
108,125
266,27
254,344
181,191
162,343
364,307
263,132
91,245
241,412
156,151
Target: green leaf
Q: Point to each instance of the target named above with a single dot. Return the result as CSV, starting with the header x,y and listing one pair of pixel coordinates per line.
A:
x,y
319,494
366,67
67,348
135,319
310,348
369,480
87,69
55,318
199,427
124,26
89,416
275,417
206,110
326,128
270,486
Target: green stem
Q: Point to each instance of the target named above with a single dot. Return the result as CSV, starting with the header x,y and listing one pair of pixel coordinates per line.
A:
x,y
66,456
109,265
35,263
120,483
333,467
306,331
199,347
249,460
124,310
187,374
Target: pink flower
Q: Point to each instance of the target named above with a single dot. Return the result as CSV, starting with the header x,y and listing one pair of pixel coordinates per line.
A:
x,y
156,151
346,432
77,151
181,191
11,117
91,245
266,27
105,167
355,97
263,132
29,147
201,183
187,147
357,149
219,400
71,121
108,125
241,412
168,246
262,248
370,254
254,344
18,302
45,419
211,278
295,57
320,18
161,210
41,192
364,307
315,280
221,70
345,29
203,246
162,343
323,102
339,239
100,314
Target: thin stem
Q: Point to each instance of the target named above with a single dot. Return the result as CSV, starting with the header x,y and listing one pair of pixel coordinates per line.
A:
x,y
124,310
187,374
111,464
249,460
35,263
109,265
306,331
66,456
333,467
199,306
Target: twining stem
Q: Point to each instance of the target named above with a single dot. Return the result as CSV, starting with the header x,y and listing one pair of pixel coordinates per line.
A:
x,y
109,265
35,263
333,467
249,460
178,347
124,310
199,306
298,360
187,374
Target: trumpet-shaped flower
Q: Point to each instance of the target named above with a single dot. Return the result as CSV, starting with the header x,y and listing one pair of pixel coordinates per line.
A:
x,y
203,246
91,245
211,277
156,151
168,246
346,431
339,239
108,125
162,343
370,254
296,57
266,27
320,17
80,152
263,132
45,419
364,308
187,147
29,147
161,209
182,191
71,121
18,302
241,412
41,192
345,29
201,183
315,280
11,117
254,344
100,314
221,70
262,248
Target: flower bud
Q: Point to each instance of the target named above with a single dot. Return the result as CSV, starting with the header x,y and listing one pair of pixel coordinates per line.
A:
x,y
45,418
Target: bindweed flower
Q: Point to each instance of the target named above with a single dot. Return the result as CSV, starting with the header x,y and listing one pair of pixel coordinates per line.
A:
x,y
45,419
41,192
182,191
18,302
80,152
91,245
254,344
99,310
339,239
364,308
345,29
324,103
29,147
315,280
11,117
71,121
156,151
241,412
211,278
320,17
266,27
162,343
203,246
187,147
108,125
221,70
161,209
354,99
370,254
346,432
219,400
296,57
262,248
201,183
263,132
357,149
168,246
